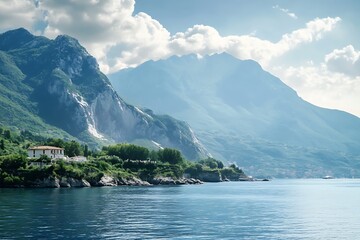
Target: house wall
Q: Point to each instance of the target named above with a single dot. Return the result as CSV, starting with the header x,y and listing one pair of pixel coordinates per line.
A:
x,y
54,153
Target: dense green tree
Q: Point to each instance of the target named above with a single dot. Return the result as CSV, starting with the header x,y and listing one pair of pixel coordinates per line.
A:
x,y
7,134
194,169
73,149
169,155
236,169
120,160
111,159
11,163
220,164
2,144
56,142
86,150
25,134
154,155
212,163
127,151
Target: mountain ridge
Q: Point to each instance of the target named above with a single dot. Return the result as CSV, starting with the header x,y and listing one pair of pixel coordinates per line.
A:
x,y
232,101
58,83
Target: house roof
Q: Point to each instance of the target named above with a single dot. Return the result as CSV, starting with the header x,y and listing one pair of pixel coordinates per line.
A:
x,y
45,148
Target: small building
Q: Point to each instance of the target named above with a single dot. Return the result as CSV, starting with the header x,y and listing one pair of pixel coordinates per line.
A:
x,y
50,151
78,159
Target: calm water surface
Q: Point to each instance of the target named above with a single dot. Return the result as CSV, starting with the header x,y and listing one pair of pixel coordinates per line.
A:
x,y
279,209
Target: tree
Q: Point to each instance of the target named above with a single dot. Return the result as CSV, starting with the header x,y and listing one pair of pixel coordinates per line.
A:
x,y
86,150
56,142
114,160
7,134
11,163
220,164
194,169
236,169
212,163
127,151
44,158
72,149
154,155
169,155
2,144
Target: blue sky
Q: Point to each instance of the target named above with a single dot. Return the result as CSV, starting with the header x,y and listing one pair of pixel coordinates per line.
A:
x,y
262,18
313,46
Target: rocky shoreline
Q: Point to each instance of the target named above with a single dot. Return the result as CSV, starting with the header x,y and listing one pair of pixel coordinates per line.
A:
x,y
64,182
107,180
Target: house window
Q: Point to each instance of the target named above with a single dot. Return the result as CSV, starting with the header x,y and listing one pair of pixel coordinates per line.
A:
x,y
43,151
34,152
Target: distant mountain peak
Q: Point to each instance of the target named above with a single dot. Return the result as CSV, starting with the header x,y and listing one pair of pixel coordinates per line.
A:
x,y
243,113
58,83
20,32
15,38
70,56
67,41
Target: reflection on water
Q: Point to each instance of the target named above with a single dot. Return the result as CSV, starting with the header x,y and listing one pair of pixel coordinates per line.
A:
x,y
280,209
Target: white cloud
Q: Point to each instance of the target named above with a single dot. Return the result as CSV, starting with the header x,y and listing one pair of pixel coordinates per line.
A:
x,y
119,39
314,31
334,83
321,86
198,39
204,40
106,26
286,11
250,47
18,13
346,60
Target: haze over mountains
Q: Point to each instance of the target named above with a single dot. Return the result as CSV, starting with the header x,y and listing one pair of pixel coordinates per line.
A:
x,y
55,88
243,114
239,112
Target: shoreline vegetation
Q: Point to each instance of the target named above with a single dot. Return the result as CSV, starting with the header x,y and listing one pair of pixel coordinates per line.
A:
x,y
113,165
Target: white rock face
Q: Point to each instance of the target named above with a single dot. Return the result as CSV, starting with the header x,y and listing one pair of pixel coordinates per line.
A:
x,y
71,182
85,103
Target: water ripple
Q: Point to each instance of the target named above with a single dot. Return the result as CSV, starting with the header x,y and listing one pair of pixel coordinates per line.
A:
x,y
282,209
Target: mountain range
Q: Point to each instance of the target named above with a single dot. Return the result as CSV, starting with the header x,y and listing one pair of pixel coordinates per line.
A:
x,y
245,115
55,88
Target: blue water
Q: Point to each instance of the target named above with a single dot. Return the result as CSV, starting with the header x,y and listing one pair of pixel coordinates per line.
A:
x,y
279,209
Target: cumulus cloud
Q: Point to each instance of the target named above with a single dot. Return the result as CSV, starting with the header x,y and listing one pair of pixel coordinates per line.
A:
x,y
314,30
263,51
346,60
318,85
119,39
106,26
18,13
286,11
202,40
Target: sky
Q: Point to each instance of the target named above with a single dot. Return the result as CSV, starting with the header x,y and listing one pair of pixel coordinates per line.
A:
x,y
312,46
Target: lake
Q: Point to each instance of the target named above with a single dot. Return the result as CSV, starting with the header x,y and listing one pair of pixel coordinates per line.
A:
x,y
279,209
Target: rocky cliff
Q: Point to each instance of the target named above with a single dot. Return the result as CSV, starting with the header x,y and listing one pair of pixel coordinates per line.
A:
x,y
244,114
57,85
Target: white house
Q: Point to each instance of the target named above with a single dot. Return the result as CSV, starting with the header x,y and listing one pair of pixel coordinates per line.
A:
x,y
50,151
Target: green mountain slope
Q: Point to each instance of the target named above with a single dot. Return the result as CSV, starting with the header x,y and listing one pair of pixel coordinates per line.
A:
x,y
55,87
